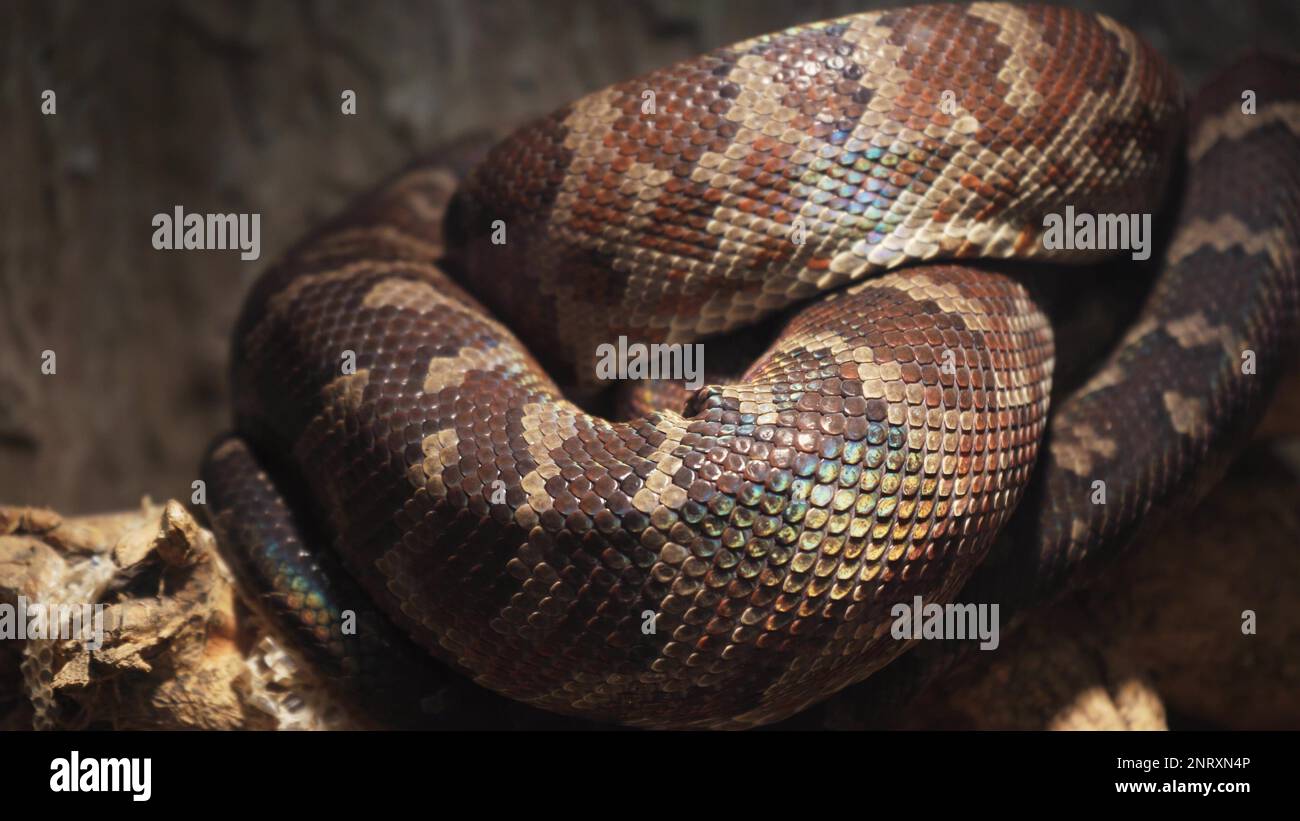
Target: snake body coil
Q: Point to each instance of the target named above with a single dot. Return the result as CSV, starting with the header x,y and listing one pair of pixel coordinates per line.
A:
x,y
730,562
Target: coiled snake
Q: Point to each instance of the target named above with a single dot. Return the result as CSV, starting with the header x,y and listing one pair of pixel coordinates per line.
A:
x,y
732,559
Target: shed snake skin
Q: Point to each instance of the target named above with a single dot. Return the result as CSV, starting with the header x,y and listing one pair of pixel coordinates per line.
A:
x,y
732,559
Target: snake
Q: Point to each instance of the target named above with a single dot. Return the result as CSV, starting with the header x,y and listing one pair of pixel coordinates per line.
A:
x,y
426,483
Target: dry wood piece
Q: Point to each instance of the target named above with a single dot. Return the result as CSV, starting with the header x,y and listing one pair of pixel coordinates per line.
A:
x,y
163,642
1159,643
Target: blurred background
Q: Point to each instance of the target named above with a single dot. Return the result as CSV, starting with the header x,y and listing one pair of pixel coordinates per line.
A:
x,y
235,107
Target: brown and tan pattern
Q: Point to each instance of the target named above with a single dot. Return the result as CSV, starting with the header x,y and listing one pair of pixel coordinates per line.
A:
x,y
730,560
1166,409
838,128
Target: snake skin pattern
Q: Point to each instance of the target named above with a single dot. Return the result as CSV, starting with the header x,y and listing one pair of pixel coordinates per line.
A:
x,y
840,126
732,560
1163,413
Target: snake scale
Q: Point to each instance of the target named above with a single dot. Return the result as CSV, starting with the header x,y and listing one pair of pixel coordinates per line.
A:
x,y
878,183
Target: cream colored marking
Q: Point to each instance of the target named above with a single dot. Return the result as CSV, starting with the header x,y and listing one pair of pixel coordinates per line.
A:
x,y
437,176
1002,236
1233,124
423,207
345,392
445,371
1107,377
658,487
1078,448
1195,330
758,112
1224,232
407,293
546,427
414,192
587,125
227,447
1139,330
439,453
921,288
1025,40
1187,414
